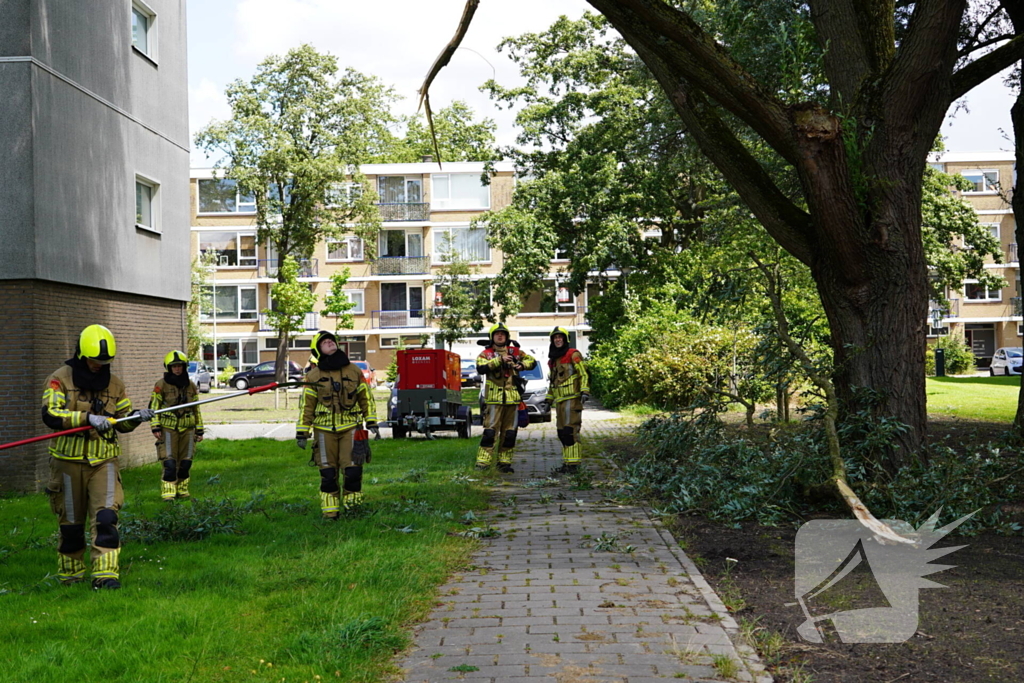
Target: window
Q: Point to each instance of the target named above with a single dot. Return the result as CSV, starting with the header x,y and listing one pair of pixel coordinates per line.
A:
x,y
555,297
941,168
389,342
937,331
230,302
399,190
561,253
468,242
143,29
231,248
460,191
146,192
344,194
356,296
221,195
295,344
227,354
983,181
349,248
975,292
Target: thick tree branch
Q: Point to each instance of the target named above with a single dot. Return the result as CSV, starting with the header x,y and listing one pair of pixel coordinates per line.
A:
x,y
984,68
846,58
686,49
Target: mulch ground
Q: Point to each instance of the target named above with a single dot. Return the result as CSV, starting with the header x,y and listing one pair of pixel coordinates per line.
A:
x,y
970,631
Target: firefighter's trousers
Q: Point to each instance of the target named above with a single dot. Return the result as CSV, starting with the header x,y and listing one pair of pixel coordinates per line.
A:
x,y
568,420
81,493
341,482
175,451
500,431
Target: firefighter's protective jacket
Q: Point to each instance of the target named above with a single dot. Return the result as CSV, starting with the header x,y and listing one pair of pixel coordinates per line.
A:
x,y
500,387
65,406
335,400
166,395
568,378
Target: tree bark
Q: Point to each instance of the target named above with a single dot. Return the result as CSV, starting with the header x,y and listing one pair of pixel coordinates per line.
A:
x,y
1016,12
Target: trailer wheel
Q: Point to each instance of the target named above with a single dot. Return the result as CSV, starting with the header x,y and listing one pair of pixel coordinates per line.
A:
x,y
397,432
465,430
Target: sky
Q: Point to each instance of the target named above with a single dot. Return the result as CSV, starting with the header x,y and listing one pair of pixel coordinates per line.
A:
x,y
397,40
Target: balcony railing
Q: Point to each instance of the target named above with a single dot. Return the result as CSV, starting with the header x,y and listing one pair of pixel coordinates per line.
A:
x,y
951,311
1015,306
394,212
396,319
1013,253
311,322
268,267
400,265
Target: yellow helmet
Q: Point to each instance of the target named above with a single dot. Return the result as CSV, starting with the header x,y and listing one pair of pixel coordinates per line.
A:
x,y
560,330
97,343
499,327
314,345
175,358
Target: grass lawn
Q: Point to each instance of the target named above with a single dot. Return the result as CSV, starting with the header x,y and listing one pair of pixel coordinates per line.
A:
x,y
991,399
272,594
262,408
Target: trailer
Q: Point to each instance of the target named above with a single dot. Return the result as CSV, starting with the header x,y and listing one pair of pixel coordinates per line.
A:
x,y
429,395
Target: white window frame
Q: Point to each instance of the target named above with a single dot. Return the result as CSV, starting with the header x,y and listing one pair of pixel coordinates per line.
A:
x,y
406,180
208,318
239,234
350,240
993,228
986,188
438,234
154,203
147,12
392,342
294,344
448,203
988,300
250,207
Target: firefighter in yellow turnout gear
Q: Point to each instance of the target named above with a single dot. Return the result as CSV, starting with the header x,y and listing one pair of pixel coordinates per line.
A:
x,y
334,403
176,432
500,363
85,473
568,390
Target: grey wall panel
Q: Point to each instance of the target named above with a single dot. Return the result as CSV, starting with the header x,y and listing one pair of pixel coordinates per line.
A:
x,y
17,222
15,36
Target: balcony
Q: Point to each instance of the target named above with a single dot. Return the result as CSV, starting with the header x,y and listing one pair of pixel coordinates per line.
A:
x,y
1016,309
952,311
400,265
397,319
268,267
312,322
395,212
1013,252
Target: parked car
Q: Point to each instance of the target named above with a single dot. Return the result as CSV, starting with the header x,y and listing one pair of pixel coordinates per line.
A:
x,y
1006,361
368,373
533,396
470,377
263,374
200,375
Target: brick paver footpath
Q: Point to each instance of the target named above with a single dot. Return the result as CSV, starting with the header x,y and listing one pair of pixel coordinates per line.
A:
x,y
576,589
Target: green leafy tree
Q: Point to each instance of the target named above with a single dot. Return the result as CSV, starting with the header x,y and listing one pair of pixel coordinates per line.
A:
x,y
463,303
201,300
292,301
297,132
459,137
337,303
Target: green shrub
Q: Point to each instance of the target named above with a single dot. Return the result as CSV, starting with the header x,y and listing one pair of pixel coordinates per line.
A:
x,y
959,359
225,374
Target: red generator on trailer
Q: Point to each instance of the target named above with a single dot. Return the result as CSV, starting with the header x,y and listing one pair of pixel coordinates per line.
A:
x,y
428,395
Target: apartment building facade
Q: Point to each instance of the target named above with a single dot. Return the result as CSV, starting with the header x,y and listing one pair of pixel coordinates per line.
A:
x,y
425,211
989,318
93,201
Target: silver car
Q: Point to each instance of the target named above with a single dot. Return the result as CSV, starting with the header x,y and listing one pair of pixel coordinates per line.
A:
x,y
1006,361
200,374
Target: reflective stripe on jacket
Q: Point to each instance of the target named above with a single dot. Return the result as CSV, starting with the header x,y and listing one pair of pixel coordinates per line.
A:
x,y
568,378
65,402
500,387
336,400
167,395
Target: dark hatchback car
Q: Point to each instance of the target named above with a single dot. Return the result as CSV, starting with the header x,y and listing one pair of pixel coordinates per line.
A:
x,y
263,374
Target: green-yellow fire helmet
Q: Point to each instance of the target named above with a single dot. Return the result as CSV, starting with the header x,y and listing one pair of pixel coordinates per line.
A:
x,y
560,330
499,327
97,343
175,358
314,345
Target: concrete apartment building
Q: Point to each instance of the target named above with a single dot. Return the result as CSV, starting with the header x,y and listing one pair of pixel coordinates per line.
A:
x,y
422,207
93,201
990,319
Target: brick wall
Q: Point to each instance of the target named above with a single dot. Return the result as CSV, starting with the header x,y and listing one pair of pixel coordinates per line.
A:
x,y
39,326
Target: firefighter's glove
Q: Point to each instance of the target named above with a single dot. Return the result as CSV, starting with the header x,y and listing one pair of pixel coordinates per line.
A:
x,y
300,441
144,414
99,422
373,427
585,396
